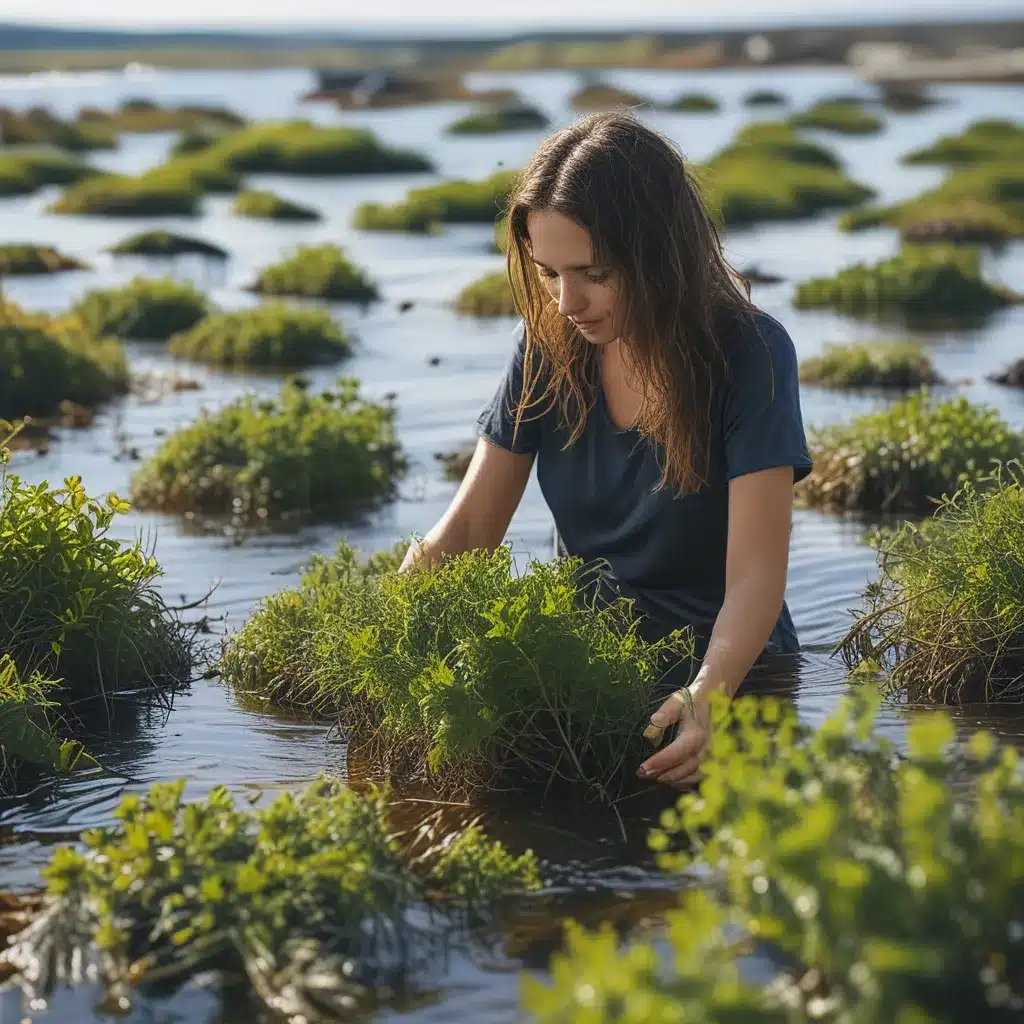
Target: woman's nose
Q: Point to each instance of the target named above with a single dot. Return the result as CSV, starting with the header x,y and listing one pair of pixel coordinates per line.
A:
x,y
571,300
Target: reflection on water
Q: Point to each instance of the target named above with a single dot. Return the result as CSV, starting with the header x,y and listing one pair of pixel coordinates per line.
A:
x,y
207,737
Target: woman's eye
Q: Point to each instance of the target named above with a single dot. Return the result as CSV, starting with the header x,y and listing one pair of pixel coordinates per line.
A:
x,y
548,274
598,276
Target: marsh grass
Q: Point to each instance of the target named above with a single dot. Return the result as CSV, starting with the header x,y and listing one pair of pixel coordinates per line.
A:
x,y
271,336
115,195
143,116
161,243
992,140
488,296
24,171
840,116
316,900
905,457
604,96
903,365
40,127
692,103
465,675
316,271
764,98
269,206
21,258
146,308
500,117
944,620
262,461
876,884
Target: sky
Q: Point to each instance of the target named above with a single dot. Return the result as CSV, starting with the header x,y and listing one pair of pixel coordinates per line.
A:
x,y
467,14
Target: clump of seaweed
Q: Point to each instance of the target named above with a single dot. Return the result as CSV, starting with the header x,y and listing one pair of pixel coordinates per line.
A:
x,y
19,258
147,308
490,295
265,205
903,365
844,117
23,172
161,243
500,117
991,140
316,271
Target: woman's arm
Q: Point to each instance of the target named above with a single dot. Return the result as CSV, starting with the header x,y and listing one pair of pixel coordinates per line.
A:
x,y
481,510
757,559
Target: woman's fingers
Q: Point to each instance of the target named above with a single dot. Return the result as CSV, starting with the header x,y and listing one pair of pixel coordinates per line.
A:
x,y
665,716
684,774
685,746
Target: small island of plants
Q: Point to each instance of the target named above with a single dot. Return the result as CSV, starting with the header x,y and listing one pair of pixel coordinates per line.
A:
x,y
23,172
692,103
316,271
992,140
16,258
604,96
118,195
266,205
161,243
844,117
500,117
490,295
904,365
146,308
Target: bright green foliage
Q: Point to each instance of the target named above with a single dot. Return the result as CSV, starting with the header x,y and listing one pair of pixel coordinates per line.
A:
x,y
273,335
940,279
693,102
499,117
312,897
896,898
39,127
299,147
18,258
993,140
906,456
490,295
873,364
75,604
202,171
451,202
463,673
769,173
323,456
47,361
344,565
945,617
159,242
116,195
268,206
150,308
316,271
839,116
24,171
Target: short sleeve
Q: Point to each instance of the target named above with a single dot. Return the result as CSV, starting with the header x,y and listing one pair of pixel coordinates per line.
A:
x,y
497,423
762,424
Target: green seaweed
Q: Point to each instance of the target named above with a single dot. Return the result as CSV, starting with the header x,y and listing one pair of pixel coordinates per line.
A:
x,y
316,271
149,308
904,365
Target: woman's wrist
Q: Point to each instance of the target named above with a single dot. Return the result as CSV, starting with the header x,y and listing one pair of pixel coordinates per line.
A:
x,y
706,683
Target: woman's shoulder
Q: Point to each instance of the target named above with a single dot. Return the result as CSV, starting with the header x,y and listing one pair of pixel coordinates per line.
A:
x,y
740,331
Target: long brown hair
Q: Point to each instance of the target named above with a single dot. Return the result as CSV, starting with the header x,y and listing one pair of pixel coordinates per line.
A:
x,y
631,189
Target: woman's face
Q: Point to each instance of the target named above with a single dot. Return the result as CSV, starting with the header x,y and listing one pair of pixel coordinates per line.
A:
x,y
586,292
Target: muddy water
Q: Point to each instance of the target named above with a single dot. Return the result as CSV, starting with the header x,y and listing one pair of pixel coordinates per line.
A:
x,y
206,737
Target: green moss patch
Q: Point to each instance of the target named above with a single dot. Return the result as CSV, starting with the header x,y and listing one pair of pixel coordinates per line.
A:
x,y
500,117
148,308
602,96
490,295
26,171
268,206
919,280
993,140
145,116
316,898
159,243
880,886
692,103
839,116
297,456
878,364
764,98
769,173
272,336
115,195
945,619
464,673
35,259
316,271
40,127
904,457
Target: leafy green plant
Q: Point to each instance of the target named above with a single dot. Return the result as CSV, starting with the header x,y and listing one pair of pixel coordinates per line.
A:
x,y
945,617
25,171
490,295
316,271
159,242
150,308
992,140
499,117
884,892
269,206
273,335
298,455
464,673
905,457
843,117
313,897
18,258
940,279
875,364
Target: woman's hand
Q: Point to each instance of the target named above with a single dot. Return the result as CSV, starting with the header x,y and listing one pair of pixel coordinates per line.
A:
x,y
678,764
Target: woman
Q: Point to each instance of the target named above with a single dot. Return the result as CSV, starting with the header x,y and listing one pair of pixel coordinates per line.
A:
x,y
660,406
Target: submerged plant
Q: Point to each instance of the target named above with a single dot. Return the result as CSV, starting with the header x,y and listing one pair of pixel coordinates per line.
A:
x,y
316,271
904,365
149,308
321,456
945,619
884,892
490,295
465,673
314,898
905,457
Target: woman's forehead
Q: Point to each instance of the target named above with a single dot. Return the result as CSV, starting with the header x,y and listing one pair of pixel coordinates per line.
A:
x,y
558,241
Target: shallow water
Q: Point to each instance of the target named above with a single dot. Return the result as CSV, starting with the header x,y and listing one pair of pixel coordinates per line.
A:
x,y
207,737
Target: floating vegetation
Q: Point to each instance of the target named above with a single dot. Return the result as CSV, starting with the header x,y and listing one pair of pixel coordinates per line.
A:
x,y
261,460
764,98
918,280
906,456
993,140
500,117
315,898
145,116
27,171
490,295
905,365
843,117
159,242
1012,376
769,173
884,891
147,308
463,673
944,621
316,271
451,202
602,96
692,103
48,361
271,336
27,259
268,206
39,127
117,195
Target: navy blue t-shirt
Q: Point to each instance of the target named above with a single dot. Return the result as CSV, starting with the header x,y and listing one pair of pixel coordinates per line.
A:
x,y
667,552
